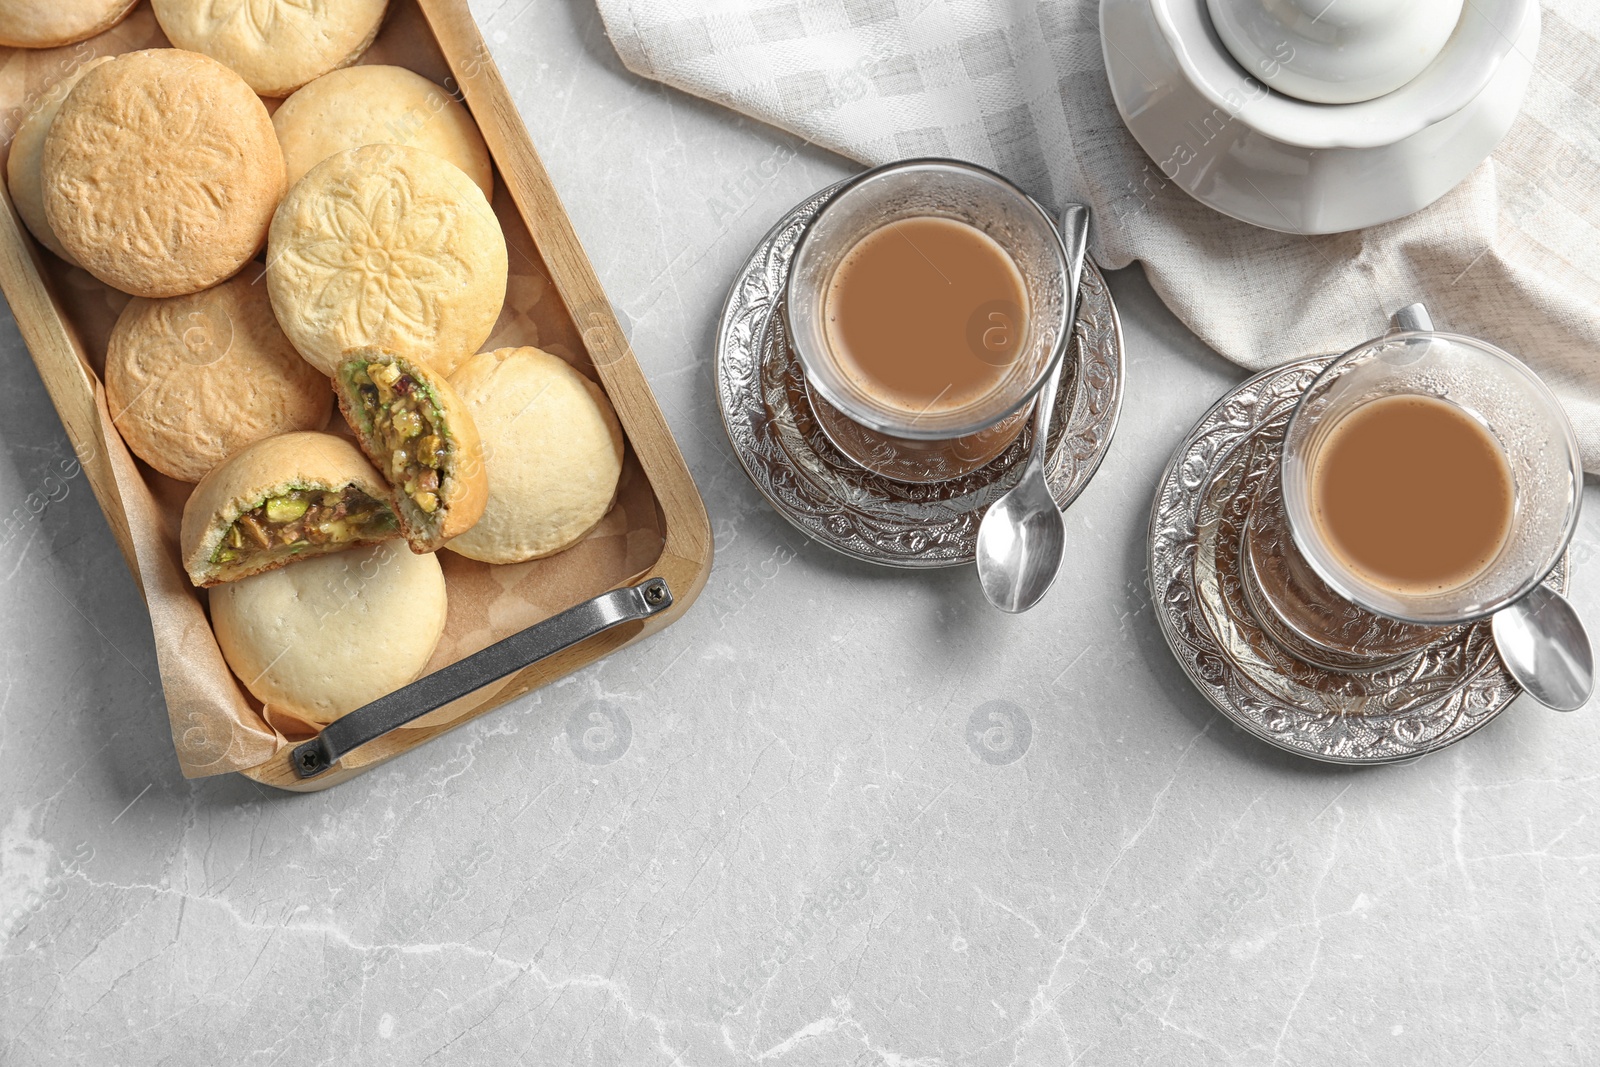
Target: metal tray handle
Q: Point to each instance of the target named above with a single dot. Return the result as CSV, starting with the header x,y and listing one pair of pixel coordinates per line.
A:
x,y
431,692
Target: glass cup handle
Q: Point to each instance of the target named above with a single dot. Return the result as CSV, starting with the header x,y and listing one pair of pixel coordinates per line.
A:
x,y
1412,317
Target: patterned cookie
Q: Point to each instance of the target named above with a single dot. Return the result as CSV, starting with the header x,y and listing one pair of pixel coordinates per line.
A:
x,y
52,23
24,166
374,104
161,172
191,380
275,45
386,247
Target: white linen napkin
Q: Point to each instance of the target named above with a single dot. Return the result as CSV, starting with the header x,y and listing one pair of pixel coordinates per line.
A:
x,y
1512,255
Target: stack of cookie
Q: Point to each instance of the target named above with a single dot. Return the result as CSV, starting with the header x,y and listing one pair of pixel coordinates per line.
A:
x,y
162,173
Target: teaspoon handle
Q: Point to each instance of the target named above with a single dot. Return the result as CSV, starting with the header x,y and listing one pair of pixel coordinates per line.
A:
x,y
1074,226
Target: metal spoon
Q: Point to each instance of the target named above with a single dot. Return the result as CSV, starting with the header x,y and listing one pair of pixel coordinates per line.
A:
x,y
1023,536
1540,638
1543,644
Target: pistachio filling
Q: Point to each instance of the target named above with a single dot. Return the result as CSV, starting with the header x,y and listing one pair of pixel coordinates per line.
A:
x,y
298,519
406,429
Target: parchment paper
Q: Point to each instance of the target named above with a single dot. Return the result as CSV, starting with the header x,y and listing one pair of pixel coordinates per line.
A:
x,y
216,725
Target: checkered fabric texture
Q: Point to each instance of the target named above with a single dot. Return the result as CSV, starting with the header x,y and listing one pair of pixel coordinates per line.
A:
x,y
1511,255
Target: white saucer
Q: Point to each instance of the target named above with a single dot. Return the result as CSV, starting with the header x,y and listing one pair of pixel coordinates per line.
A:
x,y
1227,140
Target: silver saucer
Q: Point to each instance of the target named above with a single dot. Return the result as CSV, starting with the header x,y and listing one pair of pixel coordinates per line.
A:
x,y
861,514
1397,711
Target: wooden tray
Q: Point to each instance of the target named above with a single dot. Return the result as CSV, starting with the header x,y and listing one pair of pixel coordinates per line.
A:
x,y
68,348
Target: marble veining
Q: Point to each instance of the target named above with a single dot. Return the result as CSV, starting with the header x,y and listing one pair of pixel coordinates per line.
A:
x,y
837,815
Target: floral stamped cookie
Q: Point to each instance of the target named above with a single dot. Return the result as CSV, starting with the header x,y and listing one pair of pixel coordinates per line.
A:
x,y
275,45
25,163
191,380
391,248
161,172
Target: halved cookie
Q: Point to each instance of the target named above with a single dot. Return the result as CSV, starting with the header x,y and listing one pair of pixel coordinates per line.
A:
x,y
282,499
419,435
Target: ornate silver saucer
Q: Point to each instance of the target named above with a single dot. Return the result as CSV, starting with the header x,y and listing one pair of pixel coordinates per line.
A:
x,y
1371,709
832,500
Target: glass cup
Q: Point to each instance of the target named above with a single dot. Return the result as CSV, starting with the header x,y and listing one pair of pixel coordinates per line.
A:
x,y
928,446
1509,401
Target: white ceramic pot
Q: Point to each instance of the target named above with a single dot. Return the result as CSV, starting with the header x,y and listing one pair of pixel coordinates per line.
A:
x,y
1335,51
1235,145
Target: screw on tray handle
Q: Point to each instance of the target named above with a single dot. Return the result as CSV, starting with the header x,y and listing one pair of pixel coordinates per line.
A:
x,y
434,691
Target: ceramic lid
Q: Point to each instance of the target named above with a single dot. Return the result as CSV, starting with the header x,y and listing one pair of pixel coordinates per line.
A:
x,y
1335,51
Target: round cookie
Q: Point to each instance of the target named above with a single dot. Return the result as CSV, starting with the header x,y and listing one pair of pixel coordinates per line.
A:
x,y
275,45
330,634
553,449
161,172
190,380
25,164
374,104
53,23
386,247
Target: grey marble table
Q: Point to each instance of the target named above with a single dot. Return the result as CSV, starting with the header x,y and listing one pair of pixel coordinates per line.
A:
x,y
806,851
